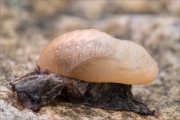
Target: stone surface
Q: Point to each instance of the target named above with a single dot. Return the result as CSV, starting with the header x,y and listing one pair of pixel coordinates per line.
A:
x,y
24,33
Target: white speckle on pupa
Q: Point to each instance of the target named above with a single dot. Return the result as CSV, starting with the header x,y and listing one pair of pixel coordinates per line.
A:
x,y
89,45
77,47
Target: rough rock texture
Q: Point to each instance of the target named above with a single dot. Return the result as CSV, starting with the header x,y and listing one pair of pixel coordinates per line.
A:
x,y
26,29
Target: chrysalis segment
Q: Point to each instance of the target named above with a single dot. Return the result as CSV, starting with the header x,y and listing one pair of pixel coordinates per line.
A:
x,y
93,56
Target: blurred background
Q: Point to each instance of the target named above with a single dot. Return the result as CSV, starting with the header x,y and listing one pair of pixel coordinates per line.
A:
x,y
26,26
